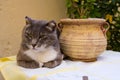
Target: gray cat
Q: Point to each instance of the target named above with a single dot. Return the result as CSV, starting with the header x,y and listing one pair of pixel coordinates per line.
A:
x,y
40,45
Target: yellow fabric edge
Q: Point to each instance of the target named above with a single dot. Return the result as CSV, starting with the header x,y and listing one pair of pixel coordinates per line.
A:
x,y
11,58
10,70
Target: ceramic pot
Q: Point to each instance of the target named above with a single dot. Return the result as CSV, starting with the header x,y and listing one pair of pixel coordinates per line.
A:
x,y
83,39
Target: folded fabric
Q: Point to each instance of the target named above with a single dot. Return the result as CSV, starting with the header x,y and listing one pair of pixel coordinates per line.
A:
x,y
107,67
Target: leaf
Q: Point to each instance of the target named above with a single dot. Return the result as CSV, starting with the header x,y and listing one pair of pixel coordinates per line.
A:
x,y
91,1
68,3
109,17
76,0
108,35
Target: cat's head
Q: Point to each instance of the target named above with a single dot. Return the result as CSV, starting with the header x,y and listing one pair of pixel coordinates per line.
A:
x,y
38,32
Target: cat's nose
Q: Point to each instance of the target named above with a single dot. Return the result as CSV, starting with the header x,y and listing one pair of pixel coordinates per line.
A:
x,y
33,45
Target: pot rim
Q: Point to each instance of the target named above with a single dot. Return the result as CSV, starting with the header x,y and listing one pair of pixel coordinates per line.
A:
x,y
83,21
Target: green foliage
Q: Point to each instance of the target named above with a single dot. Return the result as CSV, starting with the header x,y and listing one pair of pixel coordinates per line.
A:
x,y
107,9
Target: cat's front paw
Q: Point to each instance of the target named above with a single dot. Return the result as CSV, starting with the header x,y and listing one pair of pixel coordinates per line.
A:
x,y
51,64
28,64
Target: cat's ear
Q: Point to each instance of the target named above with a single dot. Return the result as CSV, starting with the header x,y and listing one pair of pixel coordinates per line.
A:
x,y
28,20
51,25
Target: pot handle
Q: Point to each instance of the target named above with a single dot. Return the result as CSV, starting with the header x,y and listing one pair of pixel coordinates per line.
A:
x,y
60,27
104,30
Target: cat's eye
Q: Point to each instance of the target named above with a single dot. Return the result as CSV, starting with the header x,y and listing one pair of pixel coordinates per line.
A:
x,y
28,35
42,36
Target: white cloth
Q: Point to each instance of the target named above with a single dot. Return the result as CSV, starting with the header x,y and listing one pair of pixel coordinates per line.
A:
x,y
107,67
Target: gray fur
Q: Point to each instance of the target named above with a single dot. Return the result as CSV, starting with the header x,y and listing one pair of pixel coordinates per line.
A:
x,y
37,33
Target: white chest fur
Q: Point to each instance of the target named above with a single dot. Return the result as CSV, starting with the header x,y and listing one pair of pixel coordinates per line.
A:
x,y
42,56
